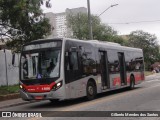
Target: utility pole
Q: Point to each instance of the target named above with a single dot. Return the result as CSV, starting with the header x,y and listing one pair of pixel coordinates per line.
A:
x,y
6,68
89,21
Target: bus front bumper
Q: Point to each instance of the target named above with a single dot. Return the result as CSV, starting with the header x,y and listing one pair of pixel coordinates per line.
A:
x,y
40,96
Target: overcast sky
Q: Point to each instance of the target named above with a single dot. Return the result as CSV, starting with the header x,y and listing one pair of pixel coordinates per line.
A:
x,y
127,11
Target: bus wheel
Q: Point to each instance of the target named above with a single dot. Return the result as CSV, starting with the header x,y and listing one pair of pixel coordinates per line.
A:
x,y
91,90
132,82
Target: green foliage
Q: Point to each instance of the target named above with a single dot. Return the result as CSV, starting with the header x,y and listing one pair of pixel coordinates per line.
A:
x,y
9,89
23,21
79,25
148,43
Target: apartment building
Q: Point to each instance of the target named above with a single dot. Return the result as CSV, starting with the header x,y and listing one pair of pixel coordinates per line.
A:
x,y
61,25
59,22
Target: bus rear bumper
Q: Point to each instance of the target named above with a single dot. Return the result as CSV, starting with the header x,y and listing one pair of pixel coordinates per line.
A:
x,y
40,96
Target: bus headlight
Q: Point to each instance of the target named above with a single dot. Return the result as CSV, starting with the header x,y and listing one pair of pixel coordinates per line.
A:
x,y
21,86
57,86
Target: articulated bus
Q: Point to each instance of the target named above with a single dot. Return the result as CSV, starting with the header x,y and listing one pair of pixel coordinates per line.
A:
x,y
64,68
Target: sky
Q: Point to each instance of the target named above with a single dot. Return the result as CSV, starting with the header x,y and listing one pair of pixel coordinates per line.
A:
x,y
127,16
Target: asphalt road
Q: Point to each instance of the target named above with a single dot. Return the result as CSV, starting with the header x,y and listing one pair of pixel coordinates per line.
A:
x,y
145,97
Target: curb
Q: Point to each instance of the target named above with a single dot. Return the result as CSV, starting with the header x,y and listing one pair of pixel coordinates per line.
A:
x,y
9,96
14,96
16,104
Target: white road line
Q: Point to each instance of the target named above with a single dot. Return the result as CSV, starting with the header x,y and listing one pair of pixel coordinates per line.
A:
x,y
153,80
155,85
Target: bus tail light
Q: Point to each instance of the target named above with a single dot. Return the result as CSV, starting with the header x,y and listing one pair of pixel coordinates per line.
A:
x,y
57,86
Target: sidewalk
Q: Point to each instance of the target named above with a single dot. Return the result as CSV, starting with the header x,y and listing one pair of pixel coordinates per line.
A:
x,y
153,76
14,102
9,96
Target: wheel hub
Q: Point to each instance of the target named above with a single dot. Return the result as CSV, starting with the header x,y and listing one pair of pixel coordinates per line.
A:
x,y
90,90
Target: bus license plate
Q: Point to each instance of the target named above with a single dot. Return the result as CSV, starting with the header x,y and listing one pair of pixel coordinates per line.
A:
x,y
38,97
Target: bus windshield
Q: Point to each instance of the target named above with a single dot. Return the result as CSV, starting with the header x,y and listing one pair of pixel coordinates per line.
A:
x,y
40,65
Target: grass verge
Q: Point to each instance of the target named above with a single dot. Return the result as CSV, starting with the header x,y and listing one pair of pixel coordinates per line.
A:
x,y
4,90
148,73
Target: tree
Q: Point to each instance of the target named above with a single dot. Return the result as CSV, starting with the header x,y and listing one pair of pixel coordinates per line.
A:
x,y
79,26
23,21
148,43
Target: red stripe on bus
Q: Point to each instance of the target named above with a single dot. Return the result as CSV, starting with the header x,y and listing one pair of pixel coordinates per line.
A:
x,y
139,77
128,79
38,88
116,81
142,75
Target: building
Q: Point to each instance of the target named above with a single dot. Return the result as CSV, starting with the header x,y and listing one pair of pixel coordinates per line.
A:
x,y
61,25
58,21
52,22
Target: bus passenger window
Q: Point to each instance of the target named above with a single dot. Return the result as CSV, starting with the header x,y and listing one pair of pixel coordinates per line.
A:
x,y
73,61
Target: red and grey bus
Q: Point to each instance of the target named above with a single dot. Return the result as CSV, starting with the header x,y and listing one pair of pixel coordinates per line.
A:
x,y
64,68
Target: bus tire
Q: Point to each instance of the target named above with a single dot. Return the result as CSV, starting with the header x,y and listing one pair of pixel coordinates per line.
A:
x,y
132,82
91,90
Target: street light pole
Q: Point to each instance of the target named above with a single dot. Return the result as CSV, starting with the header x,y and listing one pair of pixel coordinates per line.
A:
x,y
107,9
89,21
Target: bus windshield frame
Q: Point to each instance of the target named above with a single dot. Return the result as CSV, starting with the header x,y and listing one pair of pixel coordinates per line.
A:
x,y
46,53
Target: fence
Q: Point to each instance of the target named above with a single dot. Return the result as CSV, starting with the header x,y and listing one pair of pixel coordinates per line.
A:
x,y
9,74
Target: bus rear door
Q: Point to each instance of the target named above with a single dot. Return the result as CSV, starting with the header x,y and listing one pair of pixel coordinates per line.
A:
x,y
122,68
104,69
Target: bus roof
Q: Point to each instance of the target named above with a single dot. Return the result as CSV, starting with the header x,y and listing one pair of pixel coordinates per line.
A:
x,y
104,44
95,43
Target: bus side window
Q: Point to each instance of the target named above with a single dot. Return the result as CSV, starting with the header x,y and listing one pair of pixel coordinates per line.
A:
x,y
73,61
67,61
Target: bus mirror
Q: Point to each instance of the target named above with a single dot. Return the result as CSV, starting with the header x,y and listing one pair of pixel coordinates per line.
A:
x,y
13,59
73,49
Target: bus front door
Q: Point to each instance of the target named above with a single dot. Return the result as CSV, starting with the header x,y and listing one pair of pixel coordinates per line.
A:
x,y
104,69
122,68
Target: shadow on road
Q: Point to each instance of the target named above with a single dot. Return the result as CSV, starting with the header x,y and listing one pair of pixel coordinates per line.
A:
x,y
67,103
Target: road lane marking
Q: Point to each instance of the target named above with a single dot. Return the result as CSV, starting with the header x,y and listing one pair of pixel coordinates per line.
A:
x,y
155,86
99,101
153,80
108,99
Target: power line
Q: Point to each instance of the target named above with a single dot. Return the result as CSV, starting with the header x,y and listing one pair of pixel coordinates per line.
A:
x,y
137,22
